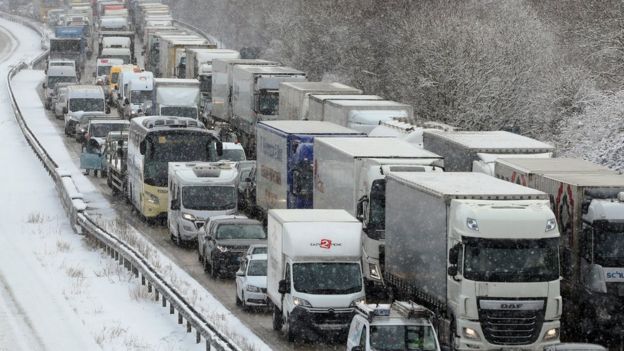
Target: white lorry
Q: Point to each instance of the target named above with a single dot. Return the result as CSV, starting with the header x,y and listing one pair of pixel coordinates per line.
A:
x,y
135,93
406,131
294,96
314,277
401,325
197,192
172,51
176,97
476,151
222,85
349,174
480,252
255,97
588,200
362,114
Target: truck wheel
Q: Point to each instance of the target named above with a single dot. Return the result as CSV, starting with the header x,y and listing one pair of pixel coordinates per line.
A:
x,y
277,318
452,333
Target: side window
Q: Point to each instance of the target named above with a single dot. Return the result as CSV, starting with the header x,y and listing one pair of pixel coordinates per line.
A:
x,y
363,337
287,273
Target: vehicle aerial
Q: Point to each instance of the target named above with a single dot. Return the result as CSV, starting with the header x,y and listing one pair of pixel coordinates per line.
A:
x,y
137,95
314,276
294,96
255,97
350,174
59,99
198,191
480,252
468,151
83,99
82,126
116,151
57,73
285,154
176,97
251,281
362,114
225,242
588,200
153,142
222,78
401,325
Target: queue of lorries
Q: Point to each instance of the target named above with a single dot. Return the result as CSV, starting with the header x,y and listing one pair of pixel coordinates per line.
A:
x,y
473,240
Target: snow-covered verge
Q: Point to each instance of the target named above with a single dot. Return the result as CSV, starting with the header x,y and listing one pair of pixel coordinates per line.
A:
x,y
57,292
24,84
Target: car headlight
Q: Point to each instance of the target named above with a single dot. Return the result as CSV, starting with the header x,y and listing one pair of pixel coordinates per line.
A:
x,y
153,199
358,300
374,271
301,302
470,333
551,334
222,248
188,217
252,288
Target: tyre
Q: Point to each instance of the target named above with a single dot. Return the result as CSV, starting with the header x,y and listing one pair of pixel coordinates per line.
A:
x,y
290,332
245,307
214,272
239,302
200,257
205,264
277,318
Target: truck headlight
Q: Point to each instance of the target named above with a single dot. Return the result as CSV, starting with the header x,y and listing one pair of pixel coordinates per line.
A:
x,y
188,217
374,271
253,288
301,302
152,199
551,224
472,224
470,333
358,300
551,334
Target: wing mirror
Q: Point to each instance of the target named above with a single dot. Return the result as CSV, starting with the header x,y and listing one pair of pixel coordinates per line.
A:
x,y
175,204
142,147
65,109
240,273
452,271
454,254
283,287
219,148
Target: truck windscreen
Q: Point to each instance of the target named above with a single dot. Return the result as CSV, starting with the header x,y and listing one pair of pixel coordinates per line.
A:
x,y
240,232
179,111
68,46
402,337
268,102
609,245
327,278
501,260
209,198
140,96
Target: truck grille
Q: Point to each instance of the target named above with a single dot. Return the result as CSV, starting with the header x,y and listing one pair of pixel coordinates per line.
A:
x,y
330,317
511,327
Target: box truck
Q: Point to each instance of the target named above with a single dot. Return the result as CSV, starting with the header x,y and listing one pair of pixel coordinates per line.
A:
x,y
314,277
255,97
222,84
294,96
588,201
364,115
480,252
175,97
349,174
476,151
316,102
173,50
284,160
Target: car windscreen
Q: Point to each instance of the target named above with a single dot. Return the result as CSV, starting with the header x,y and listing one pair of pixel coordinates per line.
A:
x,y
240,231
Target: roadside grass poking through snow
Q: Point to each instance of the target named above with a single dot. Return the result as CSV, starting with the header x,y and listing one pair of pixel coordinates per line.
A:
x,y
35,217
62,246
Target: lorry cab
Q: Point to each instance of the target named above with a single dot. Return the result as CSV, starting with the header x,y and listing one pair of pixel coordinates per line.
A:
x,y
397,326
137,95
103,68
113,78
198,191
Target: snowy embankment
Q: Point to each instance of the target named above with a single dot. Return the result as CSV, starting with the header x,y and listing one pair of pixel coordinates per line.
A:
x,y
57,292
25,85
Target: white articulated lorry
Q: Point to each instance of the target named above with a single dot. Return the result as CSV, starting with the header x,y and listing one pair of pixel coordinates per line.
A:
x,y
255,97
294,96
314,277
588,200
316,102
175,97
364,115
480,252
349,174
476,151
222,85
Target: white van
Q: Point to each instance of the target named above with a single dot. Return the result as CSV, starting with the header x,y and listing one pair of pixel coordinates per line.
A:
x,y
83,99
137,95
58,72
103,67
116,42
123,54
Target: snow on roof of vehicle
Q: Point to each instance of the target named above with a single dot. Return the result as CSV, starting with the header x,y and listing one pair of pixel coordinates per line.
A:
x,y
367,102
312,215
491,140
376,147
552,165
110,121
602,179
308,127
267,69
205,172
321,87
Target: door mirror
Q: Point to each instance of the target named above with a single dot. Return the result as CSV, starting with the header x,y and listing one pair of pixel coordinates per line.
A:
x,y
452,271
208,237
454,254
107,110
126,101
219,148
142,147
45,85
65,109
247,180
283,287
240,273
94,75
361,205
175,204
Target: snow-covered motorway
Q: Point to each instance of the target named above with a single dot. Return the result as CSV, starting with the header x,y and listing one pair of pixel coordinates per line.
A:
x,y
57,292
183,262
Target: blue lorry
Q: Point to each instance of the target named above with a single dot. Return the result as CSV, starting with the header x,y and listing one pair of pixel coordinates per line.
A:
x,y
284,174
69,42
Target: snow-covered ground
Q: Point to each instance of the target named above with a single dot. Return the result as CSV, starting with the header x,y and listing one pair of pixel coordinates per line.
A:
x,y
57,292
84,269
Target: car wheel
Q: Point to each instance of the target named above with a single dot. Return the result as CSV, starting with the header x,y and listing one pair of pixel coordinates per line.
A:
x,y
200,257
179,242
277,318
214,273
290,333
239,302
245,307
